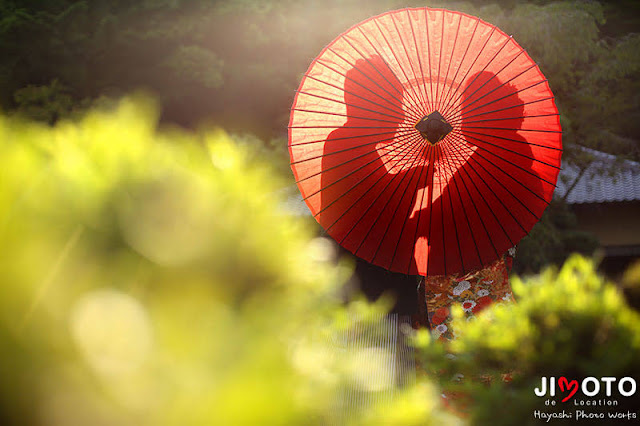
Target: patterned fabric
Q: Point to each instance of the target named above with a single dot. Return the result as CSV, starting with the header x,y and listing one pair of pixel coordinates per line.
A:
x,y
474,291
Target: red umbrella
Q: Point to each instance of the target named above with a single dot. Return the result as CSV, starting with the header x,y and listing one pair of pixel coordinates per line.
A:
x,y
425,141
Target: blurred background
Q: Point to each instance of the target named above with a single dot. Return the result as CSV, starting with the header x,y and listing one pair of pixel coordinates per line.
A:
x,y
157,268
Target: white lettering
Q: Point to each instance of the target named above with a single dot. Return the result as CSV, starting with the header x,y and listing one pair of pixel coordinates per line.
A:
x,y
543,385
608,381
596,386
580,414
621,386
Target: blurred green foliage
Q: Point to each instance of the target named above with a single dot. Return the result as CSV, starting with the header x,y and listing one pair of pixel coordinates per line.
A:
x,y
151,277
568,323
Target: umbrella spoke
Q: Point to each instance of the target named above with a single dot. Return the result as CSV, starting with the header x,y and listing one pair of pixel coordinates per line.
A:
x,y
416,93
340,114
407,148
399,118
415,102
491,191
344,138
464,106
515,140
398,144
415,148
425,98
410,208
354,67
453,170
514,152
467,116
354,94
449,93
501,170
493,75
395,212
462,93
423,147
462,175
430,98
342,151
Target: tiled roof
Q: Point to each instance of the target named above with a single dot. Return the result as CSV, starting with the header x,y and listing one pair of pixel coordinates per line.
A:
x,y
597,185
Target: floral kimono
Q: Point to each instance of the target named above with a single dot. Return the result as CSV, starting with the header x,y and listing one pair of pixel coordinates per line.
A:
x,y
474,291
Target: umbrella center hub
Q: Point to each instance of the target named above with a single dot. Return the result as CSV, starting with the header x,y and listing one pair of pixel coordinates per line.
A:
x,y
433,127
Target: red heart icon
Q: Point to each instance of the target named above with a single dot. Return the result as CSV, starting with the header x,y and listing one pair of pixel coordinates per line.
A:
x,y
565,384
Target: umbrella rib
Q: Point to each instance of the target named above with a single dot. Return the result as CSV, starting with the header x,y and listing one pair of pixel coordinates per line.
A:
x,y
404,192
475,207
397,143
367,58
323,140
447,100
466,105
415,234
508,118
415,43
495,75
483,68
515,140
514,165
351,116
403,133
409,211
466,118
451,101
415,101
496,197
406,149
366,75
453,173
507,174
350,105
399,99
444,246
514,129
456,153
428,176
436,103
404,175
506,108
360,84
512,151
416,95
430,205
355,223
453,49
406,52
352,94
